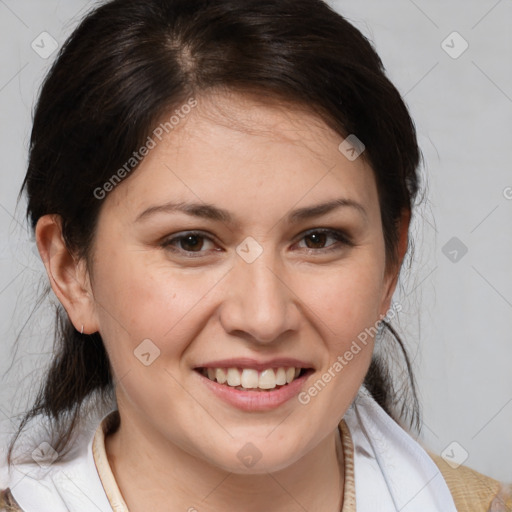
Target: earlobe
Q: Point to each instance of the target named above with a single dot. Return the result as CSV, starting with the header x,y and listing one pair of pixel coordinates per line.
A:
x,y
68,276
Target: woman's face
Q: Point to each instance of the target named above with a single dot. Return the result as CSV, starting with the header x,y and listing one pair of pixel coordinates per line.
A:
x,y
218,253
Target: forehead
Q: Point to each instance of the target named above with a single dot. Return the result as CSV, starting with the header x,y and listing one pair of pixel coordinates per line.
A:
x,y
232,148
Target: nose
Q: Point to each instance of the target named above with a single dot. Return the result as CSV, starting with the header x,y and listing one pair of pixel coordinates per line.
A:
x,y
259,304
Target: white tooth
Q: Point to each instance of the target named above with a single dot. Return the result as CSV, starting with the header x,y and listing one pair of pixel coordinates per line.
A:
x,y
281,377
297,371
290,374
267,379
220,375
249,378
233,377
211,373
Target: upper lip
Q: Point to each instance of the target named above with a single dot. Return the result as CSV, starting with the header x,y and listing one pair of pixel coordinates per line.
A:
x,y
247,362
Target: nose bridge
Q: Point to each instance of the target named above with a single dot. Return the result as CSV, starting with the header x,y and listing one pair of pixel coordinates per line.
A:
x,y
260,304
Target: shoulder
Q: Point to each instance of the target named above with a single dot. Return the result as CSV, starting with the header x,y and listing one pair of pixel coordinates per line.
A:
x,y
472,491
68,482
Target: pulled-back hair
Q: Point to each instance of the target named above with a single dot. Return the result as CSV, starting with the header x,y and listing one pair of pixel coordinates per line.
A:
x,y
131,61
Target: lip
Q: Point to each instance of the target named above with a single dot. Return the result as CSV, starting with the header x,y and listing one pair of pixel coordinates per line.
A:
x,y
247,362
254,400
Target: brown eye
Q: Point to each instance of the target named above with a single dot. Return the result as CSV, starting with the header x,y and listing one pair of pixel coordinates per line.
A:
x,y
191,242
317,240
188,243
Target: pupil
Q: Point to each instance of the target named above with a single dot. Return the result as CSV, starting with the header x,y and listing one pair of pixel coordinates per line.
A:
x,y
320,239
192,241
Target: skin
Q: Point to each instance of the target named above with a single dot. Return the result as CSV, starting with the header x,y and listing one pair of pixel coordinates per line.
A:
x,y
177,444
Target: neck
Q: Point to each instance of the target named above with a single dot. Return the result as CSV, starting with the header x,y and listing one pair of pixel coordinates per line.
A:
x,y
149,476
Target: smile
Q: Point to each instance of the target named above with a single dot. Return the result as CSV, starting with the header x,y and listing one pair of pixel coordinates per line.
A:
x,y
246,379
254,389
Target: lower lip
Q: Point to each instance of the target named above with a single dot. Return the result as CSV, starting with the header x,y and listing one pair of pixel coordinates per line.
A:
x,y
255,400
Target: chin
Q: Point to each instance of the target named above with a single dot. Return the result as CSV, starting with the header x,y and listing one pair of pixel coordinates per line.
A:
x,y
254,457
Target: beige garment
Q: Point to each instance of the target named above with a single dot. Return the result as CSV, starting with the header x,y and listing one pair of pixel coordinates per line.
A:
x,y
472,491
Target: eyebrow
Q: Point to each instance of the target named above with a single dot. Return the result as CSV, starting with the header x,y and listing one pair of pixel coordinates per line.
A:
x,y
209,211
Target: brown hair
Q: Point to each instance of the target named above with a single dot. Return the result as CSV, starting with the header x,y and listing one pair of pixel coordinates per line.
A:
x,y
130,61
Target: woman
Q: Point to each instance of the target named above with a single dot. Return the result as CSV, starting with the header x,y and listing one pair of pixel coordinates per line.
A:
x,y
221,194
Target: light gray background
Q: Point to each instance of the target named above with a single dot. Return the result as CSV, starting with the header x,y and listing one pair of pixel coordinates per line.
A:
x,y
457,315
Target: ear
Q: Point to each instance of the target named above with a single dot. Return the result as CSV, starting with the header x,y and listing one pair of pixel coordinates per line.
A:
x,y
392,273
68,276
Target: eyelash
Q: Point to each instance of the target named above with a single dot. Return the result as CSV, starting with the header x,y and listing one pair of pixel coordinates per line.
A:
x,y
339,236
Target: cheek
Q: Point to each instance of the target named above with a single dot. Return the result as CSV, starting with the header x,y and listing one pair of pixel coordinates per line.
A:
x,y
139,298
344,308
344,302
149,314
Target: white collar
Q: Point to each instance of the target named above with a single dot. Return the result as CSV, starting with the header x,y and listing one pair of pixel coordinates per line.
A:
x,y
392,471
67,486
